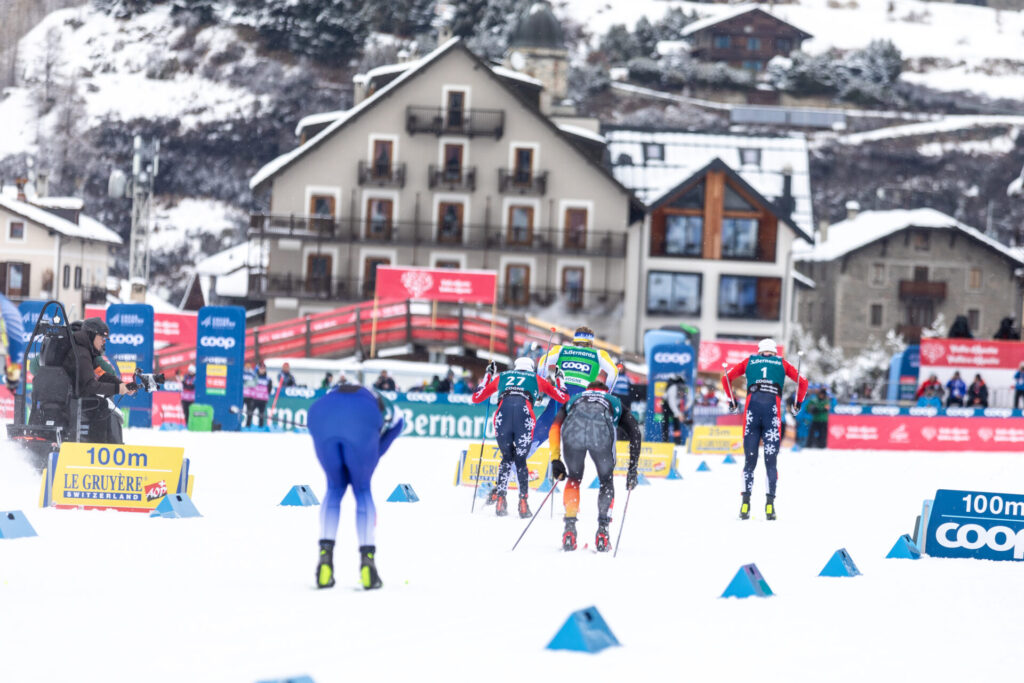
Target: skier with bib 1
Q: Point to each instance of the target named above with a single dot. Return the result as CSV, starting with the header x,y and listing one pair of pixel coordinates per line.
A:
x,y
765,373
518,389
352,427
581,365
587,423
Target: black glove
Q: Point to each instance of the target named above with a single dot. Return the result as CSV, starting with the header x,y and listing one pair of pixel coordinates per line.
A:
x,y
631,476
559,377
733,405
131,386
557,470
492,368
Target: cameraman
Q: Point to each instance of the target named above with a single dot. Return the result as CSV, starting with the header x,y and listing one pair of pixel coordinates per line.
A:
x,y
87,346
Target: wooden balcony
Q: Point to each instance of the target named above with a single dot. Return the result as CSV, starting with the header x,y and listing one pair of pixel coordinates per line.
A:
x,y
469,122
914,289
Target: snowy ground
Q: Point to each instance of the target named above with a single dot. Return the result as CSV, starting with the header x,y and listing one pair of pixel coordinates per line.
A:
x,y
107,596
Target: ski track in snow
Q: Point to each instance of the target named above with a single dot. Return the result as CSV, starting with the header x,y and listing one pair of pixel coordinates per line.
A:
x,y
108,596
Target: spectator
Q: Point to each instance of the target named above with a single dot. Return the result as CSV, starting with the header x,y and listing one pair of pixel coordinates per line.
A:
x,y
957,391
818,408
384,383
960,329
931,398
462,385
1006,330
188,390
1018,386
445,385
327,381
434,385
977,393
286,378
622,389
932,383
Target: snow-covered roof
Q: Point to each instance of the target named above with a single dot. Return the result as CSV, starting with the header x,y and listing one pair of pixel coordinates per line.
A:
x,y
124,295
318,119
241,256
1016,187
718,18
686,153
86,228
515,75
66,203
803,279
869,226
581,132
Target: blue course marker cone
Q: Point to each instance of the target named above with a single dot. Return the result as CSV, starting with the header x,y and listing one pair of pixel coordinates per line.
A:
x,y
300,494
293,679
703,467
545,485
584,631
175,506
904,549
403,493
596,484
729,460
841,564
641,480
14,525
748,582
673,474
482,490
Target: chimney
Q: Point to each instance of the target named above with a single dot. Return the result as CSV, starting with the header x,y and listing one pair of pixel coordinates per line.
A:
x,y
20,184
42,184
852,209
822,230
787,203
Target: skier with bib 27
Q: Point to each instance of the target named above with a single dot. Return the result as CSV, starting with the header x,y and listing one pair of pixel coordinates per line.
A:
x,y
585,424
518,389
765,373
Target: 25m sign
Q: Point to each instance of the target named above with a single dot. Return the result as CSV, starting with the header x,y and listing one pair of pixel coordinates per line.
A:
x,y
984,526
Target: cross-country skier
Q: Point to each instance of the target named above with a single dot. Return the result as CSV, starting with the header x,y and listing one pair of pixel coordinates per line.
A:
x,y
352,428
766,372
518,390
676,404
581,364
587,424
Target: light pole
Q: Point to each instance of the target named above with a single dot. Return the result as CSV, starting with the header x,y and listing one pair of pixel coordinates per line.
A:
x,y
145,167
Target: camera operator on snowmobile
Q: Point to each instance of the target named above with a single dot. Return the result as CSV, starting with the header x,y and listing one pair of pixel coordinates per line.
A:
x,y
87,344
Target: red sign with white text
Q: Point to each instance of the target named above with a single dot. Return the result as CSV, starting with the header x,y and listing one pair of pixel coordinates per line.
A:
x,y
979,354
6,404
922,433
167,408
171,328
714,353
436,284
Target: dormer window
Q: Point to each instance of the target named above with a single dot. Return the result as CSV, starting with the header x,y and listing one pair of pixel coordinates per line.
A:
x,y
654,151
750,156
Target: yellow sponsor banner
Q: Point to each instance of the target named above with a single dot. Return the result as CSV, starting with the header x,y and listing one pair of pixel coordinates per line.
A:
x,y
712,440
537,464
657,459
114,476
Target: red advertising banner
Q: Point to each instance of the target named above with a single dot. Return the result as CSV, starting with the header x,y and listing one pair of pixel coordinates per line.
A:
x,y
6,404
713,353
922,433
170,328
436,284
167,408
994,361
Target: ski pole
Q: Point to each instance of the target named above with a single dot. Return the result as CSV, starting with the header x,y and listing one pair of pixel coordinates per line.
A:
x,y
622,523
553,488
480,460
542,504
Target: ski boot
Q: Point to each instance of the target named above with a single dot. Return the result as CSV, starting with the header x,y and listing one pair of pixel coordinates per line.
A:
x,y
492,496
569,535
745,507
602,541
367,569
524,508
325,568
769,507
500,505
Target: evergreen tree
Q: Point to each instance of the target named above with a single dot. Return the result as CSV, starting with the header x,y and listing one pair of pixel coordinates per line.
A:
x,y
619,45
125,9
203,12
670,26
405,18
645,38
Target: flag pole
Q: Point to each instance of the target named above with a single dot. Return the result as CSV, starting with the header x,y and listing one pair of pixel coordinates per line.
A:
x,y
494,314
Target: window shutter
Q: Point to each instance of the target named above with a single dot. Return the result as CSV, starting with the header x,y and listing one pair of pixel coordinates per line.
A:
x,y
26,279
3,278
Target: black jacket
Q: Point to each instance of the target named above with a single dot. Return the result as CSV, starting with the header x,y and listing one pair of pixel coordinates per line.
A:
x,y
88,384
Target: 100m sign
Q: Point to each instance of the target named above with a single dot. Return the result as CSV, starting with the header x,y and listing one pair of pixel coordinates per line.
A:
x,y
118,457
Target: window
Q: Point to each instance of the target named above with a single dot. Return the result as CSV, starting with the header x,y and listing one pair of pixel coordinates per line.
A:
x,y
453,163
67,277
921,274
321,206
692,198
78,277
920,312
456,109
684,235
522,174
876,315
572,285
520,225
739,238
974,279
370,273
575,228
784,45
756,298
318,273
16,231
673,293
720,41
810,312
379,218
922,240
517,284
750,156
734,201
753,44
382,158
878,273
654,151
449,222
753,64
447,263
14,279
974,319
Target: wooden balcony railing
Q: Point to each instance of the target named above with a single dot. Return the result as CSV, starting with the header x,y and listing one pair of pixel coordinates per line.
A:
x,y
915,289
468,122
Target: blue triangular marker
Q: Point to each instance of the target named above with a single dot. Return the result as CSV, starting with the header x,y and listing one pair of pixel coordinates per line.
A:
x,y
703,467
13,524
673,474
584,631
841,564
175,506
904,549
596,484
403,493
300,494
483,489
293,679
545,486
729,460
748,582
641,480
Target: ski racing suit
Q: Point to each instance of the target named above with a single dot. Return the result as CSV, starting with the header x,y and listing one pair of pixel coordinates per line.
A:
x,y
514,420
765,376
585,424
581,366
352,428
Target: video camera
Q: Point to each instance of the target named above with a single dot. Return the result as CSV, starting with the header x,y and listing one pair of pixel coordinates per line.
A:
x,y
146,381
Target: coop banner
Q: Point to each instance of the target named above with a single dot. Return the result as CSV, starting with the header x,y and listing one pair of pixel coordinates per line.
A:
x,y
436,284
112,476
715,440
220,353
978,525
471,463
906,432
171,329
665,360
130,348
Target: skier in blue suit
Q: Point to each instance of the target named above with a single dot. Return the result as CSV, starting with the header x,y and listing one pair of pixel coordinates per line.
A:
x,y
352,427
